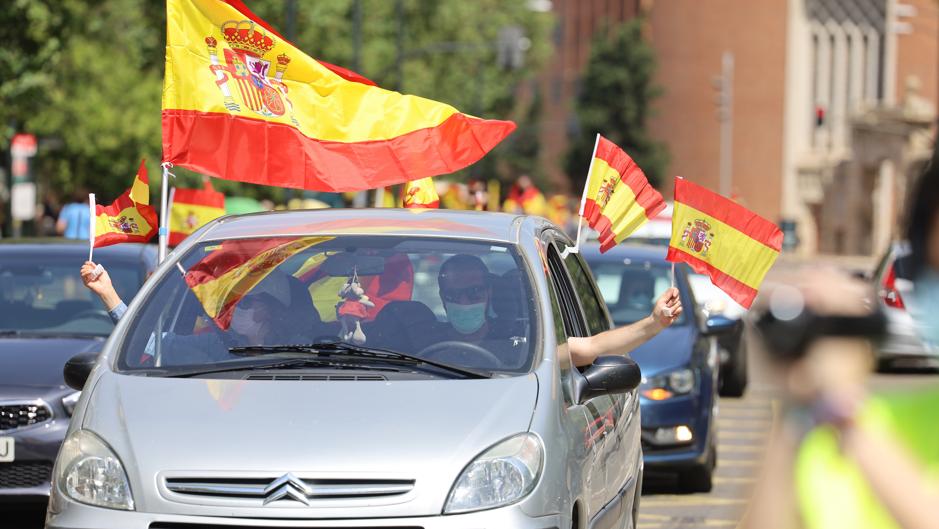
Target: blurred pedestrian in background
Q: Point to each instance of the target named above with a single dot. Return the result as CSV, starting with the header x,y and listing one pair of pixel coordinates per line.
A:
x,y
525,198
75,216
840,456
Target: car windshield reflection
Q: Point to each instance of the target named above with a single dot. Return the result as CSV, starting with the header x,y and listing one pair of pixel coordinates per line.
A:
x,y
457,303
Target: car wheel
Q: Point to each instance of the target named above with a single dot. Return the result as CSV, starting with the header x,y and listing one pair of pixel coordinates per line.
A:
x,y
699,478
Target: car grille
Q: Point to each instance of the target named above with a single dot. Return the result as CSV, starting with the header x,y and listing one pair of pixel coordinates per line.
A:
x,y
175,525
24,475
323,378
289,488
13,416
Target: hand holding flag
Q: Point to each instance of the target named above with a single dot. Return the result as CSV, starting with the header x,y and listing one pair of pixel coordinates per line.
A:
x,y
718,237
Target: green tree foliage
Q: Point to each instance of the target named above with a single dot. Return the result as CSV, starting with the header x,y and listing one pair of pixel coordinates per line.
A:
x,y
616,100
87,74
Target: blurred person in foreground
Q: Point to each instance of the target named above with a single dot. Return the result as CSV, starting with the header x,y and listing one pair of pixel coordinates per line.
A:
x,y
839,456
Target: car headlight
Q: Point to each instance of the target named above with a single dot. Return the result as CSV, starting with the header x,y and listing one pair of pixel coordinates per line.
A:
x,y
501,475
69,402
666,386
89,472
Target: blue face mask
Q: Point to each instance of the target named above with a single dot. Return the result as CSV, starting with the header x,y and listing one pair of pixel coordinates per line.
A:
x,y
466,319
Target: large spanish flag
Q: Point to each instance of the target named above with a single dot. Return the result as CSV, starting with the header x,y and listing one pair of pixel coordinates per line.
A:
x,y
227,274
722,239
130,218
618,197
242,103
191,209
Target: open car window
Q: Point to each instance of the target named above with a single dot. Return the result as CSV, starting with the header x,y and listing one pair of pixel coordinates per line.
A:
x,y
381,292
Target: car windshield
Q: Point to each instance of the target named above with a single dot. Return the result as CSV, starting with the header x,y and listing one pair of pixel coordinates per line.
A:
x,y
43,294
630,288
460,303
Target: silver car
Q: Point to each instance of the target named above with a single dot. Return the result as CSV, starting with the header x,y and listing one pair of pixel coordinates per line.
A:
x,y
357,368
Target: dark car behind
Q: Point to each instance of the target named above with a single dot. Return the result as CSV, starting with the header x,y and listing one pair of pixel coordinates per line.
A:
x,y
46,317
678,396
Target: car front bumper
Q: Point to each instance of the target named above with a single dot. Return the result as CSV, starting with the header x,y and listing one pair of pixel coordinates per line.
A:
x,y
694,412
27,477
78,516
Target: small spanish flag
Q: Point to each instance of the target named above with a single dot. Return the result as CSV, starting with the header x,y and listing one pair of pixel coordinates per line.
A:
x,y
191,209
130,218
618,197
722,239
242,103
223,277
420,194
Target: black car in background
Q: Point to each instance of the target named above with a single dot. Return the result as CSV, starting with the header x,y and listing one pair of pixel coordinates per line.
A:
x,y
48,316
679,392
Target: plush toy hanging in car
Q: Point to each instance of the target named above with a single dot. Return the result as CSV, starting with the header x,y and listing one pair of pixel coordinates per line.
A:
x,y
352,310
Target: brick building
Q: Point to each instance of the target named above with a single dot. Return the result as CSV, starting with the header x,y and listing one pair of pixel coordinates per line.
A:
x,y
832,111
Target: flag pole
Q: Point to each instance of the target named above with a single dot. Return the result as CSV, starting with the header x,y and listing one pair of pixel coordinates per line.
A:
x,y
583,203
91,226
164,212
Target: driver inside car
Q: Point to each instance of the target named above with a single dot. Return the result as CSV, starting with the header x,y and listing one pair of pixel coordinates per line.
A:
x,y
465,289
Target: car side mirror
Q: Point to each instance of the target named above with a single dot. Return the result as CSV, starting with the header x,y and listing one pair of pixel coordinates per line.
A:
x,y
78,368
718,324
609,374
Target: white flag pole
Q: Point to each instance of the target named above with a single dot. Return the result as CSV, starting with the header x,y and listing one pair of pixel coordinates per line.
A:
x,y
583,203
164,209
91,226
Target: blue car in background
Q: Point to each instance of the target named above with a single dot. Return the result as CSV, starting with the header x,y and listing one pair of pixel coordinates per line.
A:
x,y
680,366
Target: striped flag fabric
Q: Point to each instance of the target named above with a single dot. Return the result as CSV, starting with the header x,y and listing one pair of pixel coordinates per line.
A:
x,y
223,277
420,194
130,218
618,197
718,237
193,208
242,103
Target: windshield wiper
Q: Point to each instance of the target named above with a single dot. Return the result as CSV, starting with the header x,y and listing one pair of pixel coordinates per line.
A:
x,y
337,348
280,364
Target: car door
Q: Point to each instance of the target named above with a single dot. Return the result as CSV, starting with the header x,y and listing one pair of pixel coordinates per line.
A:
x,y
602,412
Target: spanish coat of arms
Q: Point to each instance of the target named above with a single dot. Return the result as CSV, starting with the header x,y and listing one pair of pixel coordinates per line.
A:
x,y
124,225
606,190
246,68
697,237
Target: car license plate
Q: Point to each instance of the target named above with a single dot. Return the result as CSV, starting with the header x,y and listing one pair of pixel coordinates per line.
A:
x,y
6,449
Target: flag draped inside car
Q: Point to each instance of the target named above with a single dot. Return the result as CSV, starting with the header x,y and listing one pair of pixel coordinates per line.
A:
x,y
242,103
718,237
232,269
618,197
191,209
130,218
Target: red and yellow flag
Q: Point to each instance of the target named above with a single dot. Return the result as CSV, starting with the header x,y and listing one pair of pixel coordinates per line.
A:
x,y
232,270
420,194
722,239
191,209
130,218
618,197
242,103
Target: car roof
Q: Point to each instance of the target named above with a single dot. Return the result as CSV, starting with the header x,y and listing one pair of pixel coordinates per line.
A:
x,y
53,246
488,226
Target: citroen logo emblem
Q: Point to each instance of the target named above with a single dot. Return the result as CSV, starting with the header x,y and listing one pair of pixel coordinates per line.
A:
x,y
288,486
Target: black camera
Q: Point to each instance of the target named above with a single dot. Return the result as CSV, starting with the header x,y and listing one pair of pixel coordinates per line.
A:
x,y
789,328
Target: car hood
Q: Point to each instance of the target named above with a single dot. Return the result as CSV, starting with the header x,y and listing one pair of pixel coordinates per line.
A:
x,y
421,430
34,365
671,349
